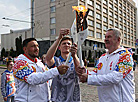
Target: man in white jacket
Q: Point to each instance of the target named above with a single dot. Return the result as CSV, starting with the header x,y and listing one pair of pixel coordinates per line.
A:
x,y
30,74
114,75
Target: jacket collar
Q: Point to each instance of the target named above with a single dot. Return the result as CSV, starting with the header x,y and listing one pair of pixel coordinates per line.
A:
x,y
35,61
117,51
25,57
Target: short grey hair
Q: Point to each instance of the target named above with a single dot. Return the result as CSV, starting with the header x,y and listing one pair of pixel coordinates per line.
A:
x,y
115,31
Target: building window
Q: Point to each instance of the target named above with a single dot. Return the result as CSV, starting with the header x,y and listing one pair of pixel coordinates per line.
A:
x,y
53,31
120,5
105,19
98,16
132,43
125,42
125,28
98,7
131,31
116,1
127,10
124,14
98,35
105,10
111,13
124,21
120,26
105,1
103,36
125,35
53,20
120,19
124,7
91,13
105,27
128,23
128,42
110,5
52,9
116,16
127,17
128,30
91,22
98,25
116,24
111,22
116,9
132,25
90,2
128,36
91,33
120,12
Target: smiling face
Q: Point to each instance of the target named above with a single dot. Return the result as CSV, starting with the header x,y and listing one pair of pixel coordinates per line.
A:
x,y
111,41
32,49
65,46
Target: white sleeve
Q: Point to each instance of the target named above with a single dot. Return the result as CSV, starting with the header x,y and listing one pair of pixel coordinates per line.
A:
x,y
40,78
23,72
106,79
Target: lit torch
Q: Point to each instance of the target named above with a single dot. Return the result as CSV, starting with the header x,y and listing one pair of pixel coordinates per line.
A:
x,y
79,33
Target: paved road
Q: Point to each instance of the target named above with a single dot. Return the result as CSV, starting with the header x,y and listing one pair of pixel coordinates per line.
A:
x,y
88,92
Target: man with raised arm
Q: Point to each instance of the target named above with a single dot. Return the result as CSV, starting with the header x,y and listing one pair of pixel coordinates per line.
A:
x,y
65,88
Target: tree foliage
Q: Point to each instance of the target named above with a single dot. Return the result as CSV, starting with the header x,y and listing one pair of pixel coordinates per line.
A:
x,y
3,52
12,53
19,47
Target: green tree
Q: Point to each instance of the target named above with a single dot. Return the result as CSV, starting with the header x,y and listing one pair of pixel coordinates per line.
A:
x,y
19,47
3,52
12,52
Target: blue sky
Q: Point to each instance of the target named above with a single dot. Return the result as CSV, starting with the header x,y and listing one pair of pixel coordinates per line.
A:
x,y
14,9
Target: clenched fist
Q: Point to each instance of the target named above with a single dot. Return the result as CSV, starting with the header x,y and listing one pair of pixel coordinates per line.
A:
x,y
62,69
64,31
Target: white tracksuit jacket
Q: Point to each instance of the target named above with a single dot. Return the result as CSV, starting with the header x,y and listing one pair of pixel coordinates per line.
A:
x,y
114,77
30,80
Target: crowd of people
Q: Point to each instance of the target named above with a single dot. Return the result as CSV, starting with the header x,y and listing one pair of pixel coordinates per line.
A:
x,y
50,79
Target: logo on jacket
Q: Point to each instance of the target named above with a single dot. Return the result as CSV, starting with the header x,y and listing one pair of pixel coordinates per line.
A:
x,y
100,65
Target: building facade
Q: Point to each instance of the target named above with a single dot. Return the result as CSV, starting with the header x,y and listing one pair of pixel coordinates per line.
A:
x,y
8,40
51,15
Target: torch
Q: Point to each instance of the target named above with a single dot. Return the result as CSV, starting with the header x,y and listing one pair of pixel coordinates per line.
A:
x,y
79,29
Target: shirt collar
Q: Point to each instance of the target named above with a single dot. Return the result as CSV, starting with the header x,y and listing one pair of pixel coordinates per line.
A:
x,y
8,71
63,60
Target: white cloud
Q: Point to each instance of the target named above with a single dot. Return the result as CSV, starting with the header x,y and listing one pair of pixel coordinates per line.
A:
x,y
13,9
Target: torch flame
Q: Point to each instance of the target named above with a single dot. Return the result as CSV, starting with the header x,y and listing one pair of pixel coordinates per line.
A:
x,y
80,8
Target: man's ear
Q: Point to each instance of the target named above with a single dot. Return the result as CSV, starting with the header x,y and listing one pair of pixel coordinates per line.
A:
x,y
24,49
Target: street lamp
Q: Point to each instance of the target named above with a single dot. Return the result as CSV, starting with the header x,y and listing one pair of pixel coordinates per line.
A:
x,y
20,21
15,20
32,16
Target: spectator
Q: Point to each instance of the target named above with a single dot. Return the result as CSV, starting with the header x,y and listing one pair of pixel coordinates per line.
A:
x,y
8,84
